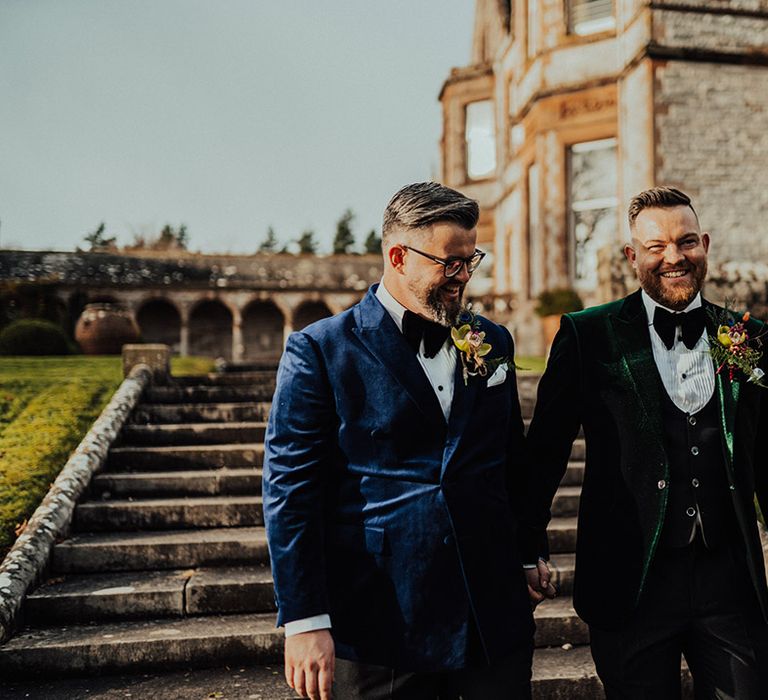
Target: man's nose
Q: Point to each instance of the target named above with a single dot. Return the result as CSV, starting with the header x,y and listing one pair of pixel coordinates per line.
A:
x,y
463,275
673,255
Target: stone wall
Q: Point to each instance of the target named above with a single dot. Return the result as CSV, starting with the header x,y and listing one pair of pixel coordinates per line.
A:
x,y
712,141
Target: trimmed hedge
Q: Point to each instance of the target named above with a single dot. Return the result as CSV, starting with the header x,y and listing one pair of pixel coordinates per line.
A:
x,y
47,405
33,336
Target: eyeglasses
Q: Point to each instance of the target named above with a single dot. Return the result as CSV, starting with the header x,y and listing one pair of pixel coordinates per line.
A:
x,y
451,266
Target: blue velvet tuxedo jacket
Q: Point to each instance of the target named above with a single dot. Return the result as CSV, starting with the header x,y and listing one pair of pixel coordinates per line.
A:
x,y
399,524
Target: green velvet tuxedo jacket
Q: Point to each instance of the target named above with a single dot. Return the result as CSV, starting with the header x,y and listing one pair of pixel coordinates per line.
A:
x,y
602,376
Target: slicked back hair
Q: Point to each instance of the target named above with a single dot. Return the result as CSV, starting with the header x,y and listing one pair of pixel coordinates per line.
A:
x,y
658,198
422,204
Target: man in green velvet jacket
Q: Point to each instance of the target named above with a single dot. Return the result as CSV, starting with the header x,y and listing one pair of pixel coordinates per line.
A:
x,y
668,559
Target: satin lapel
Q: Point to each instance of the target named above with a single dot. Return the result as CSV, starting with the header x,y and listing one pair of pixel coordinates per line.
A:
x,y
631,332
381,336
461,408
727,392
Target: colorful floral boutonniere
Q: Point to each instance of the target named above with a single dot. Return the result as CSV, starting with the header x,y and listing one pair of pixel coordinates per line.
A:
x,y
473,349
733,348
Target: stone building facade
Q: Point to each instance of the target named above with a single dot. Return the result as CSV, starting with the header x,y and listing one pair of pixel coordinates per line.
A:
x,y
238,308
570,107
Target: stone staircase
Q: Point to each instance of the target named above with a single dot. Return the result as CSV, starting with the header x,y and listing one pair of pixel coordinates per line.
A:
x,y
167,564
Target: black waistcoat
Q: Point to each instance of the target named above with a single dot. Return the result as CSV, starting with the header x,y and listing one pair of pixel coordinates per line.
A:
x,y
698,486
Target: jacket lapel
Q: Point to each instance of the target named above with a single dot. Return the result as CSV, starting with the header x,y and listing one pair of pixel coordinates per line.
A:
x,y
632,335
378,332
728,393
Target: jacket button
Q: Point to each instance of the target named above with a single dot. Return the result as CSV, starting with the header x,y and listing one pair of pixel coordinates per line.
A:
x,y
695,483
448,540
662,484
690,512
694,450
692,420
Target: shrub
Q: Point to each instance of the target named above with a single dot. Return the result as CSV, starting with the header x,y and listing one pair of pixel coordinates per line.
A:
x,y
33,336
554,302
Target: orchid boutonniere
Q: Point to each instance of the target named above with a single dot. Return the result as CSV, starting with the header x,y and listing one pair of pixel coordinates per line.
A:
x,y
473,350
733,348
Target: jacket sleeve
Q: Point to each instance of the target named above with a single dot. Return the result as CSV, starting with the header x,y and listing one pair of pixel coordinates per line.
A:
x,y
298,449
555,424
515,476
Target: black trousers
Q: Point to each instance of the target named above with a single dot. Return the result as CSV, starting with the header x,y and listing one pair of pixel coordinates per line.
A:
x,y
699,604
508,680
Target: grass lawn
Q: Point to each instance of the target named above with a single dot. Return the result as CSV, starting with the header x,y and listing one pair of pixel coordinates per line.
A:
x,y
530,365
47,404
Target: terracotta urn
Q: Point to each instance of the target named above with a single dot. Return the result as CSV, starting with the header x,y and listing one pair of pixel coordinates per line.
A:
x,y
103,329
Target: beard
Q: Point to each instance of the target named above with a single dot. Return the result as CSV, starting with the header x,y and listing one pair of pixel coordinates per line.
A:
x,y
675,297
439,310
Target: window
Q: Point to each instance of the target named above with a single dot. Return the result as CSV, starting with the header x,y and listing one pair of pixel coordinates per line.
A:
x,y
480,137
534,233
592,196
590,16
533,28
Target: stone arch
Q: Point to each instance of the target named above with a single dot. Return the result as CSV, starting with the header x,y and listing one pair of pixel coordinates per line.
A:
x,y
160,322
308,312
263,327
210,329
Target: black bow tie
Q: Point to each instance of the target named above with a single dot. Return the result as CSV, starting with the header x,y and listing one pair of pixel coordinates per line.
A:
x,y
415,328
693,323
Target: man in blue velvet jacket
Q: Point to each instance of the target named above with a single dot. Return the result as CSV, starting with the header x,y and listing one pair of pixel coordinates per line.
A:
x,y
390,483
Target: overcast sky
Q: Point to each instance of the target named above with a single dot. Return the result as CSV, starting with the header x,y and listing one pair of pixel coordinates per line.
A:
x,y
225,116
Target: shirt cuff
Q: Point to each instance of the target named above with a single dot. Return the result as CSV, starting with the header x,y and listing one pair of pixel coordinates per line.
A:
x,y
308,624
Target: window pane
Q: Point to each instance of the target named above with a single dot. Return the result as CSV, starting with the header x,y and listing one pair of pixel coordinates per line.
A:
x,y
590,16
592,196
480,136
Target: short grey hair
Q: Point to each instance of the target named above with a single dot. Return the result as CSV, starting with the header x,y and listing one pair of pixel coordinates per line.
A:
x,y
422,204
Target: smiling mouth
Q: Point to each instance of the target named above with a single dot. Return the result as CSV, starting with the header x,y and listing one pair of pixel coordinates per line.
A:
x,y
674,274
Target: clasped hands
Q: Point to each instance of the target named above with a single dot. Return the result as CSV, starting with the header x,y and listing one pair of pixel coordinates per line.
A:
x,y
539,583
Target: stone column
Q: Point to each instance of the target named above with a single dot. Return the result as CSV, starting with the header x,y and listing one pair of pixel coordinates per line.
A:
x,y
156,357
184,331
238,348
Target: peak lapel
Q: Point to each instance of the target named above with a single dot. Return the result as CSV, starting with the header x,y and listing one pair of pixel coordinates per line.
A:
x,y
632,335
381,336
727,391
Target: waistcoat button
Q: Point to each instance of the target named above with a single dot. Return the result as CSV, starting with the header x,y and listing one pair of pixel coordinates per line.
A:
x,y
694,450
662,484
690,512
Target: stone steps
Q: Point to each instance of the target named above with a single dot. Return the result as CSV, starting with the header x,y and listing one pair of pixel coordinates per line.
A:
x,y
163,413
254,377
142,645
202,482
168,457
209,394
180,434
167,565
119,595
169,513
195,640
562,535
171,549
82,598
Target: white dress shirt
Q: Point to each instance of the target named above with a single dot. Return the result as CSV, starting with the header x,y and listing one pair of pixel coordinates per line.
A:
x,y
687,375
440,371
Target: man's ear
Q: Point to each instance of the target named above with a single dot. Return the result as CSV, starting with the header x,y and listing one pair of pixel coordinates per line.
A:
x,y
630,254
396,257
705,241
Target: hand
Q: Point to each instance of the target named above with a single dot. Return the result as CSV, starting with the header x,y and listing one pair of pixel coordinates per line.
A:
x,y
539,583
309,664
